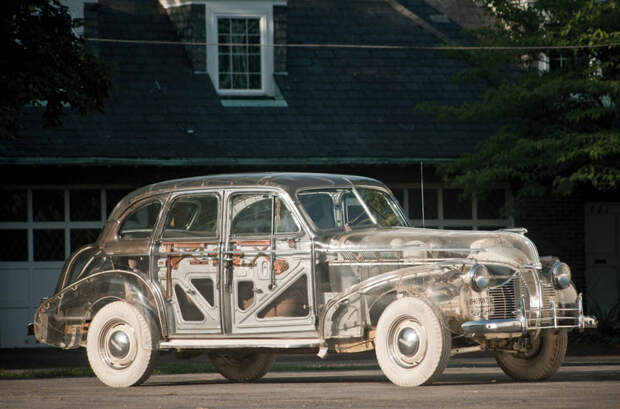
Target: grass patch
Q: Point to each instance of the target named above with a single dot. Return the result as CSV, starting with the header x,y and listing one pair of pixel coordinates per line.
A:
x,y
46,373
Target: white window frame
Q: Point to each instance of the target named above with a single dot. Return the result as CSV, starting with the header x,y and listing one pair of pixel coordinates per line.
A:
x,y
263,10
442,223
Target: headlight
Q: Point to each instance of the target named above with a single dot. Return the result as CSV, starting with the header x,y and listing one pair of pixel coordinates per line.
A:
x,y
479,277
561,275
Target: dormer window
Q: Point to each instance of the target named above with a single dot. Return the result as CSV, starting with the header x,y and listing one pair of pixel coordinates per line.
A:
x,y
240,64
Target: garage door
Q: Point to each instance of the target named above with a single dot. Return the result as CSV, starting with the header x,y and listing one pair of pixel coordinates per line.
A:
x,y
39,228
602,256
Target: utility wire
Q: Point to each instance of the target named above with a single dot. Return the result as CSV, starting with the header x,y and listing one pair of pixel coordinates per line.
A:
x,y
359,46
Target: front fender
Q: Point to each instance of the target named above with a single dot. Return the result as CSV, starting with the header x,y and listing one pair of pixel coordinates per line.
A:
x,y
351,312
62,319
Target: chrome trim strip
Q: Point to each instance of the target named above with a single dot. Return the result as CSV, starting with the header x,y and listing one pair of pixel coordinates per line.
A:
x,y
492,326
227,343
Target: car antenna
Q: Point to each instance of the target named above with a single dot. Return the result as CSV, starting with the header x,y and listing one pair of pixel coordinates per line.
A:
x,y
422,189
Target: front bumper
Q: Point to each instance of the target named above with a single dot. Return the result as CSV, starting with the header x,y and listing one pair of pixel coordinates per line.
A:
x,y
533,319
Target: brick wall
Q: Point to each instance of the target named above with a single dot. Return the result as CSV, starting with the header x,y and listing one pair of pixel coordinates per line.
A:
x,y
557,226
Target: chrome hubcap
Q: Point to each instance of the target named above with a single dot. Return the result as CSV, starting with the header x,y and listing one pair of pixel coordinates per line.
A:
x,y
407,342
118,345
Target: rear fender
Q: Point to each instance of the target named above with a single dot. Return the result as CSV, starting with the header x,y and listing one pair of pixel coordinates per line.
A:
x,y
63,319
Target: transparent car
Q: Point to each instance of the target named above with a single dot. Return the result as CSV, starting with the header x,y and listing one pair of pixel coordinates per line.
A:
x,y
245,266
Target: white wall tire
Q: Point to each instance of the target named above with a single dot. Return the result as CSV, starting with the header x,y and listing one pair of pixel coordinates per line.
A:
x,y
411,344
539,364
122,346
242,366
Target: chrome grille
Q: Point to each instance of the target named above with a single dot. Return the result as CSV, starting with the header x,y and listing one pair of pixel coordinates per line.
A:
x,y
504,299
548,296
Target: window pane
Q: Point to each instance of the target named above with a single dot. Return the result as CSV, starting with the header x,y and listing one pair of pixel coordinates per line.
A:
x,y
253,26
49,245
381,206
251,214
224,63
80,237
223,25
254,39
225,81
254,63
238,25
240,81
234,71
319,206
14,245
48,205
431,205
240,63
13,206
454,207
139,224
255,81
491,203
284,221
85,205
192,216
113,196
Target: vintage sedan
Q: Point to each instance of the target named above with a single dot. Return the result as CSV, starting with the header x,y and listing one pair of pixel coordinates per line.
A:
x,y
243,266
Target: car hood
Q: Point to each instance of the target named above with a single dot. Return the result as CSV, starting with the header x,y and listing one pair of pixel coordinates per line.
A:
x,y
502,247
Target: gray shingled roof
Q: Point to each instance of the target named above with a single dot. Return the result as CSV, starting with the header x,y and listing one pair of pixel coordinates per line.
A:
x,y
344,105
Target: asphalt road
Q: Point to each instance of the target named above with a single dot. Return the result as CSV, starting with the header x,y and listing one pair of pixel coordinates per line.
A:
x,y
584,382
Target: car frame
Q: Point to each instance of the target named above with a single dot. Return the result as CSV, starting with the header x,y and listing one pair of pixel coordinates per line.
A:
x,y
247,265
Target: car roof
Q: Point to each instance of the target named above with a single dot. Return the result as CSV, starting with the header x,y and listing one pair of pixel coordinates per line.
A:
x,y
289,182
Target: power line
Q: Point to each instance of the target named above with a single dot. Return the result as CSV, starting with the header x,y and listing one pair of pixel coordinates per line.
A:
x,y
358,46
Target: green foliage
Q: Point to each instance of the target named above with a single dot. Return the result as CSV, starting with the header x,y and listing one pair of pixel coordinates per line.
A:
x,y
555,130
44,60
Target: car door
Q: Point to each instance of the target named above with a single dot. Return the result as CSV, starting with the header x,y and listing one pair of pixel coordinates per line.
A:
x,y
188,263
267,270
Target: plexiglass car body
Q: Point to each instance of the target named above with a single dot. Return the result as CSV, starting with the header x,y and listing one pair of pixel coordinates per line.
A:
x,y
247,265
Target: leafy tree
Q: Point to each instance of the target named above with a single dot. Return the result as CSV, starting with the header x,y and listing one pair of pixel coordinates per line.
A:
x,y
44,60
555,111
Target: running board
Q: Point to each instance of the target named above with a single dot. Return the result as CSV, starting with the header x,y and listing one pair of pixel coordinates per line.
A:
x,y
234,343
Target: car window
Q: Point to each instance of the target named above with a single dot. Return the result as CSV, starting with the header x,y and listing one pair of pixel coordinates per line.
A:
x,y
341,207
320,208
139,224
252,214
192,216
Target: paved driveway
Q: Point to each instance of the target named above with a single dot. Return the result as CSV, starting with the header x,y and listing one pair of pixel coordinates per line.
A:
x,y
582,383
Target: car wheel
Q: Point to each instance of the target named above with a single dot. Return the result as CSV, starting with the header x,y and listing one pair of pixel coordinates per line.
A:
x,y
411,344
244,366
122,345
540,362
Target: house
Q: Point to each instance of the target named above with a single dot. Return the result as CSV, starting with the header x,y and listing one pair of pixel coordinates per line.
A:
x,y
199,108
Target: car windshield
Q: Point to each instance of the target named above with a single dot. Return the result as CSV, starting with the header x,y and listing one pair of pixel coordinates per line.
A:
x,y
335,208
